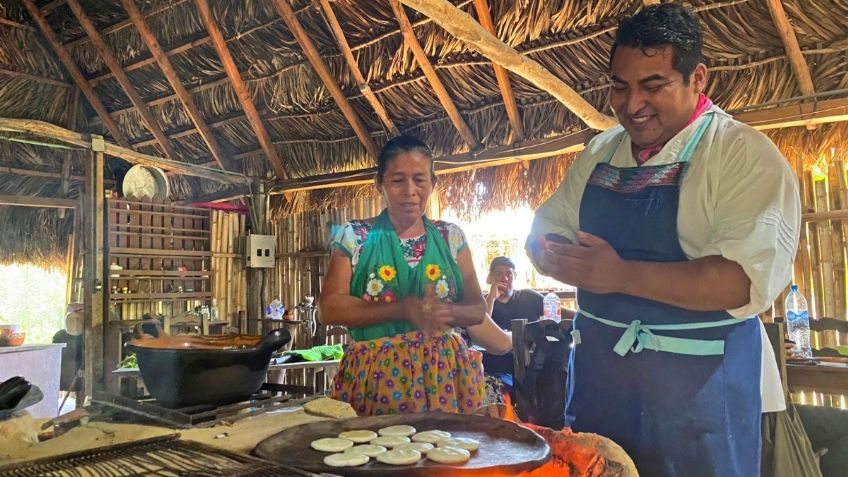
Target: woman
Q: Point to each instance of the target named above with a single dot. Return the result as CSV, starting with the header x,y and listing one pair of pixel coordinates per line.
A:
x,y
400,283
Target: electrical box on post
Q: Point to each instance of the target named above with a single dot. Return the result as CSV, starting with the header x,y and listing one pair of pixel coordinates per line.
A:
x,y
260,251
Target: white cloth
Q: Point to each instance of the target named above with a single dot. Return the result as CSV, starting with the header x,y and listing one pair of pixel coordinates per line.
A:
x,y
739,199
771,389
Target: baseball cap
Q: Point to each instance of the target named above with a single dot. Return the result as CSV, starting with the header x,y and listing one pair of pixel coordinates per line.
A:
x,y
501,261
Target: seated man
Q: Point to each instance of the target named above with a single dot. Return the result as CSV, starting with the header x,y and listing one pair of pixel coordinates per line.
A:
x,y
504,305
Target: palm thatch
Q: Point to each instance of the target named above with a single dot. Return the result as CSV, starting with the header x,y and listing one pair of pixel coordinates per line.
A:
x,y
571,38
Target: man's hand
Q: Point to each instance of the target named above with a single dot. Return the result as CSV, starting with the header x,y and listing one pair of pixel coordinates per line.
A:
x,y
497,290
593,265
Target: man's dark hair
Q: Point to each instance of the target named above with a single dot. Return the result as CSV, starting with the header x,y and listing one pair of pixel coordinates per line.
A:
x,y
399,145
499,261
666,24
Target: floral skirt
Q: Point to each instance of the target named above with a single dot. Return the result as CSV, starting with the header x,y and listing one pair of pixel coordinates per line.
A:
x,y
411,372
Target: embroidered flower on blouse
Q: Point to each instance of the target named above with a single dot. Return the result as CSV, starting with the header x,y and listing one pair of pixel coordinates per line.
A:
x,y
442,288
433,272
389,297
374,287
387,273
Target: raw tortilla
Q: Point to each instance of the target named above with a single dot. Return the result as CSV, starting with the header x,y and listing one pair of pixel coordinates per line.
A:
x,y
401,430
331,444
460,442
358,437
390,441
400,457
345,459
371,450
431,437
419,446
449,455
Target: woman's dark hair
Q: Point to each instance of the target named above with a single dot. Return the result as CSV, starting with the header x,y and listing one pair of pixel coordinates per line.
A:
x,y
399,145
666,24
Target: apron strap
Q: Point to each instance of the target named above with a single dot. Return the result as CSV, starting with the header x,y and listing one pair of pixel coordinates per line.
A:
x,y
638,337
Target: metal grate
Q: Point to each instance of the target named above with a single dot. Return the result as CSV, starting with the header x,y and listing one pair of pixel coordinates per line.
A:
x,y
160,456
264,401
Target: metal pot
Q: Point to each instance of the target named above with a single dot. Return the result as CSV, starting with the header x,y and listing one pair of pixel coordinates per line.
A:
x,y
189,370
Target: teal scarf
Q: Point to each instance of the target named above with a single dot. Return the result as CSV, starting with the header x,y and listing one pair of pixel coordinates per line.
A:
x,y
382,274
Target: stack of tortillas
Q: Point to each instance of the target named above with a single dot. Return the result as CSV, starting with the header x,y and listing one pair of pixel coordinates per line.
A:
x,y
395,445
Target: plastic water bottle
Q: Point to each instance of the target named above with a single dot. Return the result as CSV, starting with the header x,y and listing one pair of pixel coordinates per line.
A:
x,y
798,323
551,307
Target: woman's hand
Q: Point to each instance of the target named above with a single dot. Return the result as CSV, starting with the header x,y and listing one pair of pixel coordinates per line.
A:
x,y
429,314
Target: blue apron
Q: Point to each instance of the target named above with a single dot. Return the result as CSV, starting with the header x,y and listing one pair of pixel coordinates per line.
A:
x,y
679,390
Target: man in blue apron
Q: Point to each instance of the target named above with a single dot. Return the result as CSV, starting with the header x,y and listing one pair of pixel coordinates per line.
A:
x,y
677,227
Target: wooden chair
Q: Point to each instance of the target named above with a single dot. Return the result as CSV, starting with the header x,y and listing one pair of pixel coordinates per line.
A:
x,y
826,334
541,352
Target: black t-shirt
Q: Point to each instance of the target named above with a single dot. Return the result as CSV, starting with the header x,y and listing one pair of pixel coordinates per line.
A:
x,y
524,305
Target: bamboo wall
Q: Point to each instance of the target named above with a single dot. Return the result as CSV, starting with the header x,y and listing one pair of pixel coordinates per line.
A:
x,y
230,277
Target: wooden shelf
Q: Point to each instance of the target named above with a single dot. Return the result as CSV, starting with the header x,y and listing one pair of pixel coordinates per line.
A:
x,y
113,228
191,274
167,236
139,297
159,253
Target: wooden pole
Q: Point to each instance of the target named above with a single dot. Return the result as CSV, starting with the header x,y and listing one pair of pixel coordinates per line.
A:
x,y
314,57
174,80
44,129
836,193
793,50
30,201
485,17
240,88
256,276
432,77
93,273
122,78
344,46
75,73
37,79
462,26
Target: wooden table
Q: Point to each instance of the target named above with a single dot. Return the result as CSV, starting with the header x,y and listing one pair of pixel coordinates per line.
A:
x,y
828,378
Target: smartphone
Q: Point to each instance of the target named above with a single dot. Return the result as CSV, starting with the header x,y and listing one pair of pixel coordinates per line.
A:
x,y
557,238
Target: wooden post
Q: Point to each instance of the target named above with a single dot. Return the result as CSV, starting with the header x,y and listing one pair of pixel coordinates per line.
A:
x,y
256,290
825,249
93,282
836,191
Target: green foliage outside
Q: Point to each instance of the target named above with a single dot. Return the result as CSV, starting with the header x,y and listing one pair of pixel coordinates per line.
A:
x,y
33,298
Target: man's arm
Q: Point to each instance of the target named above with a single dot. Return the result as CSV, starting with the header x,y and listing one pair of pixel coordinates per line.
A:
x,y
704,284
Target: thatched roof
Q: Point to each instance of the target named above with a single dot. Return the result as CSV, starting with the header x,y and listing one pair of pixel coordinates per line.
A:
x,y
311,136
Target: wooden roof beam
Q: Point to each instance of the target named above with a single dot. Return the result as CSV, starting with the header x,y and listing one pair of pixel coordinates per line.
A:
x,y
485,18
30,201
462,26
432,77
314,57
37,79
827,111
793,50
240,88
58,133
174,80
651,2
123,79
76,74
347,53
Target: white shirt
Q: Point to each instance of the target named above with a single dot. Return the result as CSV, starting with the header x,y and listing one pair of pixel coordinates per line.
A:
x,y
739,199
